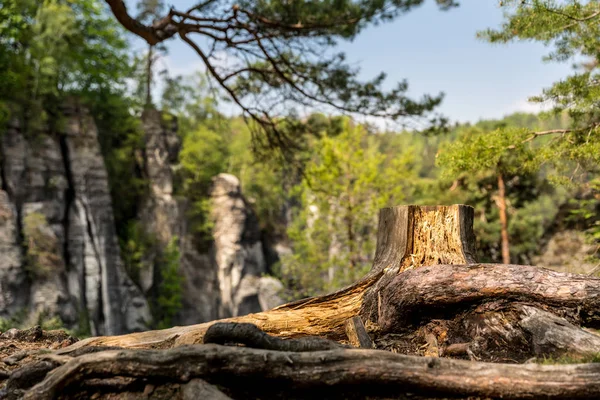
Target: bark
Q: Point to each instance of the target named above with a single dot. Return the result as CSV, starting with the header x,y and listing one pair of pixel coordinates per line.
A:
x,y
503,219
153,34
333,374
249,335
149,76
555,337
415,296
357,333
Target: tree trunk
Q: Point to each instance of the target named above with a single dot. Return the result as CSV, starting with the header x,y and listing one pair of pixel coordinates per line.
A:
x,y
425,295
503,219
149,76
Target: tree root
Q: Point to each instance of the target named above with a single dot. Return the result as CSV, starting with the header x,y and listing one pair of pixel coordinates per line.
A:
x,y
251,336
345,372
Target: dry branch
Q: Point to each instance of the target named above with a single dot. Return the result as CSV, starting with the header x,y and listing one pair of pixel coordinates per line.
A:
x,y
357,333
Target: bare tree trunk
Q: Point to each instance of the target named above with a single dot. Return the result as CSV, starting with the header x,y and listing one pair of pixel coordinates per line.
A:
x,y
503,219
149,76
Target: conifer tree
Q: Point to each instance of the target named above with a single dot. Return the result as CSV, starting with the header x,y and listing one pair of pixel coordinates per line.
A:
x,y
278,56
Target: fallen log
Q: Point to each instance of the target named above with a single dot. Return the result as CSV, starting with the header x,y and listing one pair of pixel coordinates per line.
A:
x,y
344,373
403,292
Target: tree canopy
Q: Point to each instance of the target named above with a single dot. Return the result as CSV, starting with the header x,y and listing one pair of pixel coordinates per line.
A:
x,y
271,56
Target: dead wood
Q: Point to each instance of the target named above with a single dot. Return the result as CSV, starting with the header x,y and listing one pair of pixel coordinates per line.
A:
x,y
357,333
251,336
554,336
345,372
408,238
442,290
425,295
25,377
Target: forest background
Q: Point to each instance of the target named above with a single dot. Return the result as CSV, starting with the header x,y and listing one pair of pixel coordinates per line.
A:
x,y
526,175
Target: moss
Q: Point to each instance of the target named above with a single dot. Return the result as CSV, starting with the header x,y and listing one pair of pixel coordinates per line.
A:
x,y
14,321
135,247
569,359
42,247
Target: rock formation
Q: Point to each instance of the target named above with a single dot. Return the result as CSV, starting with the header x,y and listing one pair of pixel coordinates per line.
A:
x,y
223,277
61,255
60,251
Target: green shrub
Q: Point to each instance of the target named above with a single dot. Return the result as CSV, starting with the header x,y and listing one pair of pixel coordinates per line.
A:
x,y
42,247
169,292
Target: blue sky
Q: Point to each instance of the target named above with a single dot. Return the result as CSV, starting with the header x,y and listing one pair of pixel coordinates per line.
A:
x,y
438,51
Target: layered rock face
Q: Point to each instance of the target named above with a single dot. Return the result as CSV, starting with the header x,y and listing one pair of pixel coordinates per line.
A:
x,y
239,254
222,278
60,255
60,251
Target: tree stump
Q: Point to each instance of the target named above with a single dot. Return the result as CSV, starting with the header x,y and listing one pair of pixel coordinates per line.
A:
x,y
425,295
408,237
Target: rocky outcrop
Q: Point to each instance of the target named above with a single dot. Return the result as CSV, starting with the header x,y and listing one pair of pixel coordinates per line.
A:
x,y
163,217
59,231
60,251
239,255
222,277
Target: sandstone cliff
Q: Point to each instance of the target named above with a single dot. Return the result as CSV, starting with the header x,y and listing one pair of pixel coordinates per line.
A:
x,y
221,278
61,251
60,255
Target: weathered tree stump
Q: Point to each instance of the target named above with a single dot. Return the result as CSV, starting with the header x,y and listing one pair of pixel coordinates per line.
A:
x,y
425,295
408,237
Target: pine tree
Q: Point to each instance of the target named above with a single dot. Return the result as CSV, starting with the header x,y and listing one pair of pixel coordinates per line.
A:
x,y
278,56
572,29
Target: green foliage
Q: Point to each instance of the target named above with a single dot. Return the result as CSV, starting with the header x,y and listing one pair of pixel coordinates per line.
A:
x,y
42,247
169,295
203,156
569,359
136,244
502,151
48,322
14,321
571,28
585,212
54,48
345,183
149,10
121,142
